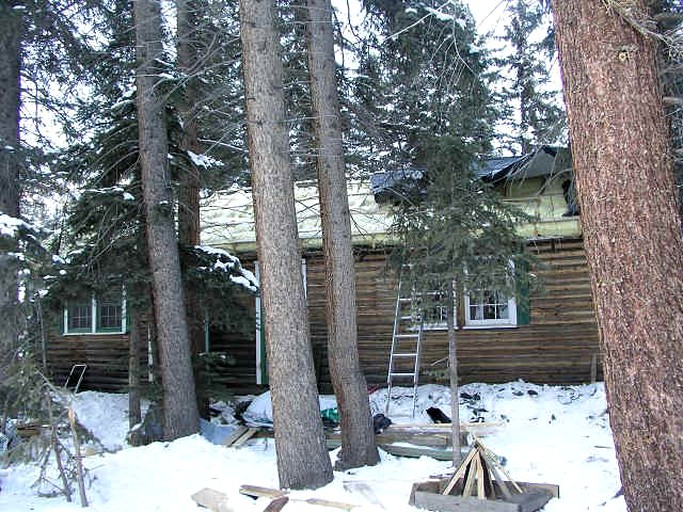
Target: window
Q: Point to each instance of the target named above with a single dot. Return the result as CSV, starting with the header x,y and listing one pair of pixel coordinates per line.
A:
x,y
109,317
79,317
105,313
488,308
434,310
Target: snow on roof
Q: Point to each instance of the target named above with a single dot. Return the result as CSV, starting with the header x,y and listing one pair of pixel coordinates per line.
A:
x,y
227,217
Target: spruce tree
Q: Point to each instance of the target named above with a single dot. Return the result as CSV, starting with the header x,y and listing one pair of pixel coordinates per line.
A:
x,y
457,236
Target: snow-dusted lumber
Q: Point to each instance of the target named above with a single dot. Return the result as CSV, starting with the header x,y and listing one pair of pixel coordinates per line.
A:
x,y
260,492
215,501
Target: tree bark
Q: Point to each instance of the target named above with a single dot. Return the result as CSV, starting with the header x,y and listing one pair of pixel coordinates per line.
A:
x,y
11,33
453,376
180,407
134,344
11,28
302,458
633,240
357,434
188,190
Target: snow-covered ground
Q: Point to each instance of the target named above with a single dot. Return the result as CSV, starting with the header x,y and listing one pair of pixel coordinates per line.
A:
x,y
546,434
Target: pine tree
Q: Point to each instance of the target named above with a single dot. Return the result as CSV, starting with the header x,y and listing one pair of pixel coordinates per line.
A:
x,y
457,236
302,458
179,406
358,438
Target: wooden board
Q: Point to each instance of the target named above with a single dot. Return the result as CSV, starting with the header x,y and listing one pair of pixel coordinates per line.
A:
x,y
441,503
428,495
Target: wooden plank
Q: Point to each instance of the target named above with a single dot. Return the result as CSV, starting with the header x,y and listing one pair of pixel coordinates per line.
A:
x,y
277,504
498,477
364,489
531,501
441,503
238,432
552,489
459,472
215,501
245,437
471,475
409,451
256,491
481,468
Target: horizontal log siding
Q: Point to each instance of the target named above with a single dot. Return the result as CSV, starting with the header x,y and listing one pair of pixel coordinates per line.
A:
x,y
557,347
105,354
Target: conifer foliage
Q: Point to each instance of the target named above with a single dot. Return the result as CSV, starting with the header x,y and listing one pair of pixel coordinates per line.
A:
x,y
530,111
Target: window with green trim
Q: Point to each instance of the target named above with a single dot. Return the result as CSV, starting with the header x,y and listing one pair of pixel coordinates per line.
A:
x,y
98,314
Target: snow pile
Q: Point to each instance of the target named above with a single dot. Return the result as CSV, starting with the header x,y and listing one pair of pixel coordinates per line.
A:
x,y
547,434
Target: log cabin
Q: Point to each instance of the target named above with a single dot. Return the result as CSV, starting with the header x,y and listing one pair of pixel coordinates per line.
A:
x,y
553,339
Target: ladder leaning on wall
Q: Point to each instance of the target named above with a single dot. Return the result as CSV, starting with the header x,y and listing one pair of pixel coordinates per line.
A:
x,y
406,343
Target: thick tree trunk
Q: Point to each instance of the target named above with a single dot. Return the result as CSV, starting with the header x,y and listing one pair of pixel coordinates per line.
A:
x,y
350,387
302,458
188,207
11,28
188,191
633,239
180,408
10,60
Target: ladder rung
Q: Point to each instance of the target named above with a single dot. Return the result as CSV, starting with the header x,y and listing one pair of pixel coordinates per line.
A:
x,y
405,354
402,374
406,335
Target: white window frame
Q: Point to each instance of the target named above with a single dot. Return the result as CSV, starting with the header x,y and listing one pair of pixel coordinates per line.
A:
x,y
94,319
488,323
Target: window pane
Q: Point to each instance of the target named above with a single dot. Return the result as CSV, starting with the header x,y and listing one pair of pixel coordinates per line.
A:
x,y
488,305
80,317
109,313
434,309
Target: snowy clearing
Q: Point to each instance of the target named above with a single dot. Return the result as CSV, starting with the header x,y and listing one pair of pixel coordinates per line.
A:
x,y
551,434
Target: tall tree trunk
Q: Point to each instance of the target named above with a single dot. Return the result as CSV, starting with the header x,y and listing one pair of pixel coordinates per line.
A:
x,y
350,387
134,371
453,375
633,239
188,191
302,458
10,60
180,407
11,31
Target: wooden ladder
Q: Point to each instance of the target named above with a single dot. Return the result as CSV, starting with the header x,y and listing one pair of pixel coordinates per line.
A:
x,y
406,343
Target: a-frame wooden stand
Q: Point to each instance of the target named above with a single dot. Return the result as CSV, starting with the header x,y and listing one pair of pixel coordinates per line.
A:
x,y
481,484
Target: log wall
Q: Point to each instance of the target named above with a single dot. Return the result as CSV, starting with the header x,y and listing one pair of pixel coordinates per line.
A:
x,y
559,346
105,354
